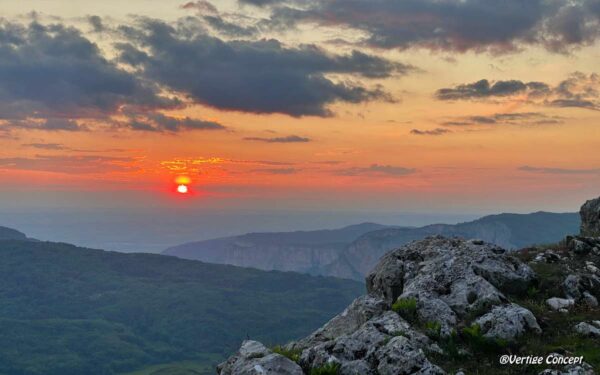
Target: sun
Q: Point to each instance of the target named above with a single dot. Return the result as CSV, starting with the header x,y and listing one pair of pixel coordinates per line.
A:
x,y
182,189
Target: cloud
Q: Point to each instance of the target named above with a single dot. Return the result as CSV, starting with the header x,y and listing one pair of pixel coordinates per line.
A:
x,y
259,3
46,146
560,171
96,23
485,89
51,124
201,5
261,76
229,28
513,118
83,164
376,170
437,131
157,122
277,171
286,139
579,90
452,25
53,71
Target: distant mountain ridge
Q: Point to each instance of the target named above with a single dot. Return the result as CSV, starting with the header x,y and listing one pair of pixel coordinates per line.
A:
x,y
71,310
300,251
11,234
359,247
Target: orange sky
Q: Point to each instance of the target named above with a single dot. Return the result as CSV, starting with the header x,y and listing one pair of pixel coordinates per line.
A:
x,y
364,156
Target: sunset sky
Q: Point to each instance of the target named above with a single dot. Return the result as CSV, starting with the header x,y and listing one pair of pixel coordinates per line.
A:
x,y
393,106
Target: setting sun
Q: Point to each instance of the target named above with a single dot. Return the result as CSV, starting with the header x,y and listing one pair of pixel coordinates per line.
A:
x,y
182,189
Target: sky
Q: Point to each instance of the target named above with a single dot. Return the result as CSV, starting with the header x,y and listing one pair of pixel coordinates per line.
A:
x,y
379,106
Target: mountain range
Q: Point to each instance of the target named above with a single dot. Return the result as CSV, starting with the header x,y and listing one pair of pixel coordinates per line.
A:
x,y
71,310
350,252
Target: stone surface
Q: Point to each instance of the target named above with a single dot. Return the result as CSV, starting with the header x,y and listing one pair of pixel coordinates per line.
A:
x,y
575,369
449,278
583,287
508,322
353,317
556,303
254,358
590,218
400,356
591,329
366,345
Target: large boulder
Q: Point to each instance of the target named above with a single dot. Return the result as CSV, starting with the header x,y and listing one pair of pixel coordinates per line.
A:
x,y
508,322
591,329
352,318
254,358
384,344
590,218
449,278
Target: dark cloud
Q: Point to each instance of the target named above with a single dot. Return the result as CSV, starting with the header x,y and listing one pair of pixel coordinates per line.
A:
x,y
559,171
83,164
229,28
453,25
51,124
514,118
201,5
51,71
376,170
96,23
437,131
157,122
286,139
252,76
578,90
485,89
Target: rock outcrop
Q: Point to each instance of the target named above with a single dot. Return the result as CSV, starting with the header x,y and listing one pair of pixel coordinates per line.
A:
x,y
508,322
254,358
442,284
448,278
590,218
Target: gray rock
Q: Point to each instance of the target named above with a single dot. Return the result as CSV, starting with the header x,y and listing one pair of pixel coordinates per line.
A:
x,y
449,277
583,288
508,322
399,356
572,287
590,218
587,329
556,303
254,358
589,299
575,369
365,345
353,317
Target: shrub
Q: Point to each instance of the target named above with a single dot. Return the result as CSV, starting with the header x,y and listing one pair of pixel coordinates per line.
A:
x,y
406,308
328,369
479,343
433,329
292,354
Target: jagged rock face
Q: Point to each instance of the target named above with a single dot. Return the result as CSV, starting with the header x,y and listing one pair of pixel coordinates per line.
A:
x,y
254,358
383,345
449,278
590,218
